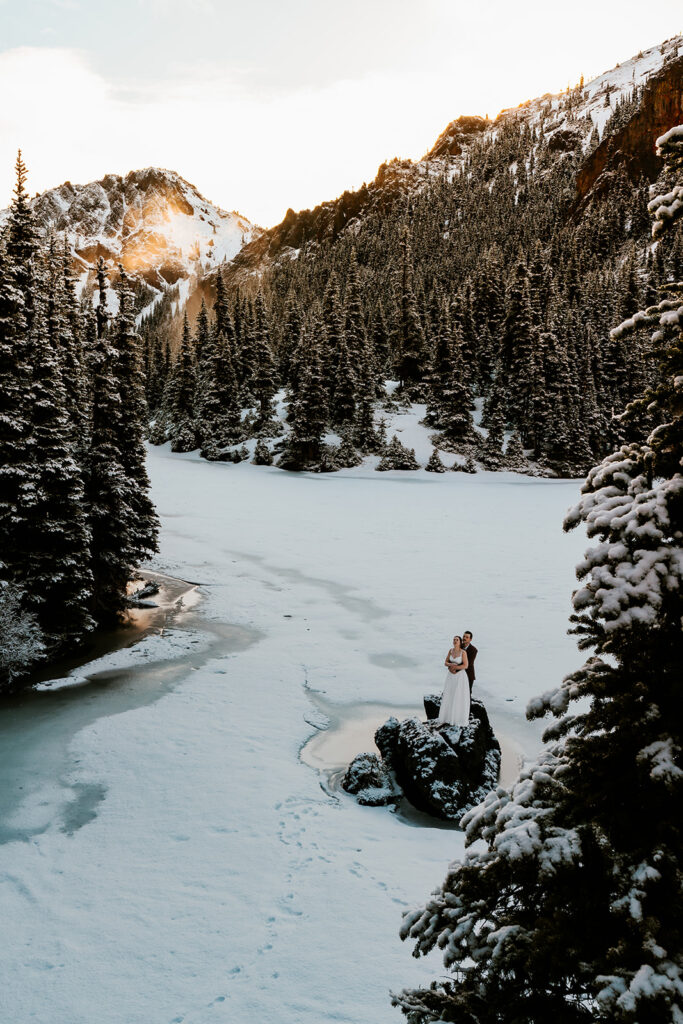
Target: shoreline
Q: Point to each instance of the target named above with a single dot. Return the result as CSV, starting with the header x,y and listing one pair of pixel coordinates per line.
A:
x,y
139,623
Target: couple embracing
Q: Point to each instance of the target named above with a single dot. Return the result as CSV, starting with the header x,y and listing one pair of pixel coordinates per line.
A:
x,y
455,703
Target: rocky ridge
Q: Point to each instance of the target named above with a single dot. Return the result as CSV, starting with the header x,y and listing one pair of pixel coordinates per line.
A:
x,y
156,224
566,131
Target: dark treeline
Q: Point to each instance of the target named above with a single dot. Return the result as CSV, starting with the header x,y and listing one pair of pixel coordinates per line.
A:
x,y
75,512
471,278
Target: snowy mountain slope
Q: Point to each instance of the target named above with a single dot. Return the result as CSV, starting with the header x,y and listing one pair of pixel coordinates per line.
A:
x,y
565,122
152,221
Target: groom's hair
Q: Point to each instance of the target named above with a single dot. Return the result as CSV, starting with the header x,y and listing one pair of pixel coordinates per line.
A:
x,y
468,632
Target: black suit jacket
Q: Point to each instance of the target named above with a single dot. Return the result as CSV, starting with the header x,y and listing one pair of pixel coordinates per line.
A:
x,y
471,652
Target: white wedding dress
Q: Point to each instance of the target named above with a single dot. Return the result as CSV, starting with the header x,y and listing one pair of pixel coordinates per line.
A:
x,y
455,703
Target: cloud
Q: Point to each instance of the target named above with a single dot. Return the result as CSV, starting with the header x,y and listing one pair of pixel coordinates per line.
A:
x,y
290,115
260,154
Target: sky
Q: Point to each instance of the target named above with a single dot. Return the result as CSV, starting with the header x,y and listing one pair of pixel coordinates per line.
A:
x,y
271,104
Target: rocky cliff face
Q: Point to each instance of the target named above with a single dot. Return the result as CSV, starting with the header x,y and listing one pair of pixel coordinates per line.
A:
x,y
633,147
152,221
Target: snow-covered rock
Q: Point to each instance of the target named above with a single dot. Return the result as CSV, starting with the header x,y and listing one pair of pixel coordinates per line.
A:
x,y
155,223
368,779
442,770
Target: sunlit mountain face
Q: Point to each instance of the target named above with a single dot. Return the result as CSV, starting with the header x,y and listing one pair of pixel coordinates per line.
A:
x,y
152,221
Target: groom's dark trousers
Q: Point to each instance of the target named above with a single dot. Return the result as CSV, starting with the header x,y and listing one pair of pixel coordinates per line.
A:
x,y
471,655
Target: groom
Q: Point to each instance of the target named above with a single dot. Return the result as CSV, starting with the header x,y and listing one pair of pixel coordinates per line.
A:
x,y
468,646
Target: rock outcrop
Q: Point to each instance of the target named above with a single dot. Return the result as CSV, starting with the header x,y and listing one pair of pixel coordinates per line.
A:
x,y
369,780
442,770
632,148
152,221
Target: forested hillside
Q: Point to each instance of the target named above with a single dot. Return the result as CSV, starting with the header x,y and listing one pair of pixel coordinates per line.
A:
x,y
493,268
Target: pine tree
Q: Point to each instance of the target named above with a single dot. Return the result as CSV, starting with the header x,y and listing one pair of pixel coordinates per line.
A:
x,y
56,573
435,465
106,484
456,398
354,328
264,384
347,457
308,412
262,454
219,419
143,521
181,396
16,400
203,333
408,336
518,349
221,311
246,357
568,908
63,324
491,453
343,405
397,456
290,337
21,640
334,335
21,237
515,457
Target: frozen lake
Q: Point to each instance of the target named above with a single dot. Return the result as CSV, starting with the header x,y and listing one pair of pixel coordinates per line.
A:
x,y
173,859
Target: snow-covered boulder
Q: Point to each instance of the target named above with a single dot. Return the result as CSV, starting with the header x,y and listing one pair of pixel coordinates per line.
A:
x,y
368,779
442,770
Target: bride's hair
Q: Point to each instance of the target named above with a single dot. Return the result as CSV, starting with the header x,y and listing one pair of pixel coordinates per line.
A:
x,y
456,637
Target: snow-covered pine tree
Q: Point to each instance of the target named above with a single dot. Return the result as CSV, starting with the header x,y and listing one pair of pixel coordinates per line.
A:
x,y
456,397
308,411
64,329
245,354
520,339
264,382
515,457
347,456
435,465
54,543
221,310
182,390
21,239
354,326
16,399
345,389
219,419
106,485
397,456
408,336
202,336
143,523
491,449
570,909
21,640
334,334
289,338
262,454
441,371
379,336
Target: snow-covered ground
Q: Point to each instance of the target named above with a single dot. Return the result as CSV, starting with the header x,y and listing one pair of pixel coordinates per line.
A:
x,y
210,877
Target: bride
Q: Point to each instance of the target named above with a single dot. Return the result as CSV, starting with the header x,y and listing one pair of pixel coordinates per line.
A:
x,y
455,703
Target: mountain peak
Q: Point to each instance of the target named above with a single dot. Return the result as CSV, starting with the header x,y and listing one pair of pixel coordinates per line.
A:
x,y
151,220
